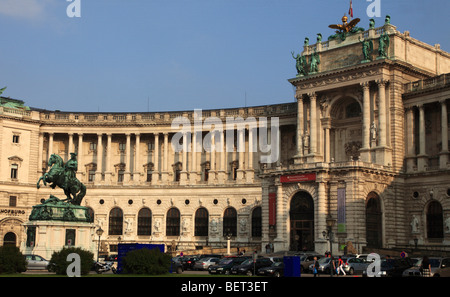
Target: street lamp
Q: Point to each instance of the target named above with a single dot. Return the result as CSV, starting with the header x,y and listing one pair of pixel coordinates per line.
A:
x,y
99,233
329,233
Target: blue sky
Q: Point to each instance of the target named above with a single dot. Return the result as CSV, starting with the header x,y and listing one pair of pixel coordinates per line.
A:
x,y
168,55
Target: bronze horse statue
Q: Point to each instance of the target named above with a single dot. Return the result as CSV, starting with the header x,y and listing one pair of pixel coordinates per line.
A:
x,y
63,176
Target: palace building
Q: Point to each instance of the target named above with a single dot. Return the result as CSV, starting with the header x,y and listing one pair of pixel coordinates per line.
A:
x,y
362,156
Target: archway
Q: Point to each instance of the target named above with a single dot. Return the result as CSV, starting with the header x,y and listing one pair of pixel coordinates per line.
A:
x,y
9,239
374,221
301,214
435,221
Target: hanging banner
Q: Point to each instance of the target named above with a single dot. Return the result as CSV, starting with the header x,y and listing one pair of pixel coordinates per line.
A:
x,y
272,208
295,178
341,210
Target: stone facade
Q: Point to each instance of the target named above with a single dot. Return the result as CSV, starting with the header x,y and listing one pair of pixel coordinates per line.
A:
x,y
363,150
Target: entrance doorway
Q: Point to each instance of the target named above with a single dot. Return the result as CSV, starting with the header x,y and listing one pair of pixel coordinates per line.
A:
x,y
301,215
373,221
9,239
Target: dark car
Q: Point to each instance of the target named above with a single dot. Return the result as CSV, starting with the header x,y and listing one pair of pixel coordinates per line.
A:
x,y
249,266
225,265
188,262
393,267
276,270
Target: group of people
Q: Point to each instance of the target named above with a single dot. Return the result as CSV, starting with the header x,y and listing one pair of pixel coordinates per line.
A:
x,y
336,268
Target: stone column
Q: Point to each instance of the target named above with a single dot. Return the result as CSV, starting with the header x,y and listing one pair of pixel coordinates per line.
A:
x,y
410,143
382,113
249,173
321,215
50,144
98,172
80,158
193,173
137,159
127,173
183,173
313,124
221,175
443,157
366,115
165,173
422,160
300,128
108,172
155,174
70,149
40,153
280,243
241,149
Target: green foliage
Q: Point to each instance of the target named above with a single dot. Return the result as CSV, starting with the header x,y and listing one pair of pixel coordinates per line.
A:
x,y
59,263
145,261
12,260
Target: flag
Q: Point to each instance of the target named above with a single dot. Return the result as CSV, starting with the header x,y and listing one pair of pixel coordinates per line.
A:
x,y
350,11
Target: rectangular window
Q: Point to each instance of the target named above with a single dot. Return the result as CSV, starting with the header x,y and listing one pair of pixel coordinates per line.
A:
x,y
91,175
149,176
12,201
93,146
15,139
14,171
122,146
120,176
70,237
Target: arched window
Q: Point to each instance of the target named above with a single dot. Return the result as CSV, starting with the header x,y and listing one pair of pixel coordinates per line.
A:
x,y
374,221
144,222
256,222
201,222
435,220
173,222
230,221
115,221
91,213
9,239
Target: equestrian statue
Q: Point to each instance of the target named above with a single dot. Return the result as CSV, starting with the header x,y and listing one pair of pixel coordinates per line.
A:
x,y
63,175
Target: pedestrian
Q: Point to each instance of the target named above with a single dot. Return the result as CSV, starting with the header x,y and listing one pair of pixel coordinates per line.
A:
x,y
340,266
425,267
316,267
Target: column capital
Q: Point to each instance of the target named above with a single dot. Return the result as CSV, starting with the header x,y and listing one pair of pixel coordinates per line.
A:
x,y
312,95
382,82
298,95
365,85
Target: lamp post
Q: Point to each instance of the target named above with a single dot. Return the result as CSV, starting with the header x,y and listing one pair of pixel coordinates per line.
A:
x,y
329,234
99,233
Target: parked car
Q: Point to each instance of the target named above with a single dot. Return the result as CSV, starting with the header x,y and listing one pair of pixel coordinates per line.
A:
x,y
439,267
306,261
35,262
225,265
248,267
393,267
176,266
189,262
204,263
324,265
354,265
276,270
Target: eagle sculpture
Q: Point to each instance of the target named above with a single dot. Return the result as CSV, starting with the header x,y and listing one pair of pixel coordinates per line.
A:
x,y
345,27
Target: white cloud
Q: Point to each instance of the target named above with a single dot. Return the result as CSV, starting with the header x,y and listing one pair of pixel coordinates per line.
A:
x,y
23,9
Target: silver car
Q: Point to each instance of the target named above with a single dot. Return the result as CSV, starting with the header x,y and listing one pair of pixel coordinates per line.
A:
x,y
439,267
355,265
204,263
36,262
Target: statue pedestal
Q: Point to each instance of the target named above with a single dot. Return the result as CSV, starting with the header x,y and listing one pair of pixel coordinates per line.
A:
x,y
55,224
52,236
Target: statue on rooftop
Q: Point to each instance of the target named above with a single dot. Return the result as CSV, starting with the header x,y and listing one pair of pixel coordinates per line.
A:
x,y
367,49
300,64
384,44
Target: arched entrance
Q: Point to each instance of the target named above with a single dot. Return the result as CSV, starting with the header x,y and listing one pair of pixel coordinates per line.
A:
x,y
435,221
9,239
301,216
374,221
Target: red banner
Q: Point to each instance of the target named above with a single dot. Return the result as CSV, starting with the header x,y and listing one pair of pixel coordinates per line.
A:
x,y
294,178
272,208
